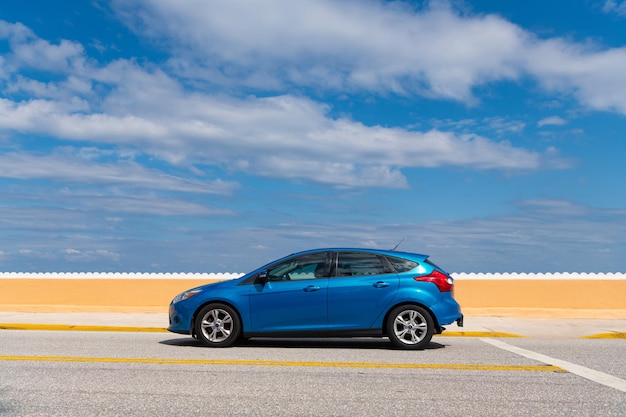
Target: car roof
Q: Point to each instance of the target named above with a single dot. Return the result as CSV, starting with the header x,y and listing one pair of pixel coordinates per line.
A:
x,y
386,252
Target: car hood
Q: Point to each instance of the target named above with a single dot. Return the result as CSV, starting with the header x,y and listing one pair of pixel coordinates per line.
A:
x,y
218,284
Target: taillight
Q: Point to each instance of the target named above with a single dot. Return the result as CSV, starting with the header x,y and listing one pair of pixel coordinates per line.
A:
x,y
441,280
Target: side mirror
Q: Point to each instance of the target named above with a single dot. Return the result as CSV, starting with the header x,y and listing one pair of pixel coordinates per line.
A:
x,y
262,278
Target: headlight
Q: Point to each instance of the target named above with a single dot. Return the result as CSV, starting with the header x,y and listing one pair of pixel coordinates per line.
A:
x,y
185,295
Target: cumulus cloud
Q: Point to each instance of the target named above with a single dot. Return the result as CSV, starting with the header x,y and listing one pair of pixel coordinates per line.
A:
x,y
146,110
278,136
30,51
336,45
437,51
590,73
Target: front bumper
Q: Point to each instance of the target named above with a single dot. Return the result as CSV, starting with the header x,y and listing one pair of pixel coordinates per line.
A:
x,y
179,319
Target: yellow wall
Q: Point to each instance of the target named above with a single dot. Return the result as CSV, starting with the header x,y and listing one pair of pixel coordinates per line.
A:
x,y
523,298
543,298
119,295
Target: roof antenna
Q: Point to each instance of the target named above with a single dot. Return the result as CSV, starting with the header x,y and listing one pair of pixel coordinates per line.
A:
x,y
401,240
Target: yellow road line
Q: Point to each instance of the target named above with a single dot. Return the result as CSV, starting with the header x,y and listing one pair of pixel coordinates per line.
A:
x,y
80,328
253,362
25,326
612,335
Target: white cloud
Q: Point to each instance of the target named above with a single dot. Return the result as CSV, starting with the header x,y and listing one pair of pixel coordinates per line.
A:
x,y
551,121
251,132
27,50
148,110
615,6
337,174
539,236
592,74
437,51
149,204
503,126
336,45
345,46
74,255
67,167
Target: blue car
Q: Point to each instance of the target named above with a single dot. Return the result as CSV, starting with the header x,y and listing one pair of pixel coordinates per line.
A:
x,y
324,293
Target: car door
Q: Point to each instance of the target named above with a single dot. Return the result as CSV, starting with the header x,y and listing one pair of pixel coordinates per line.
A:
x,y
360,290
293,296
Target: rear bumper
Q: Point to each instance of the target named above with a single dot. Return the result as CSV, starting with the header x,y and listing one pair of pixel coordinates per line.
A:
x,y
447,311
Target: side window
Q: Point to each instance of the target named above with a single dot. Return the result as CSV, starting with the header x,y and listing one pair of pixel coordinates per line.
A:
x,y
350,264
309,266
401,265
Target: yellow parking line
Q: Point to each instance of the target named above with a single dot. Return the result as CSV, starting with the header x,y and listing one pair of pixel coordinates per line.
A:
x,y
81,328
252,362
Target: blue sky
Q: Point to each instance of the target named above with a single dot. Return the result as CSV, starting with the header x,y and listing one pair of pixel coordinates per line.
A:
x,y
213,136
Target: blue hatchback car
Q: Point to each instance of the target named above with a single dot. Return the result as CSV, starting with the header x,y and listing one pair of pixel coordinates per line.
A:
x,y
324,293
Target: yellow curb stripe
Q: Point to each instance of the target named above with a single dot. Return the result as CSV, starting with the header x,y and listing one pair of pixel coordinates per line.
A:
x,y
481,334
368,365
612,335
25,326
80,328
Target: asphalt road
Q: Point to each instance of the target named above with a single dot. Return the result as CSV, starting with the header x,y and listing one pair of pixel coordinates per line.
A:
x,y
63,373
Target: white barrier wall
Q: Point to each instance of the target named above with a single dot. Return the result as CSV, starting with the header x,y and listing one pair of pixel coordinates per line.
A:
x,y
120,275
230,275
540,276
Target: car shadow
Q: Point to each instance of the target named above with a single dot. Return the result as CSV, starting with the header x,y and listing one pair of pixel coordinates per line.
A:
x,y
293,343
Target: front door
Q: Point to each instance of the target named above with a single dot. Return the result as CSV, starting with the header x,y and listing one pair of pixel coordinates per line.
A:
x,y
294,296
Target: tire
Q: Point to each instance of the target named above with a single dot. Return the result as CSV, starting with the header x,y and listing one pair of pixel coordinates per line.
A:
x,y
410,327
218,325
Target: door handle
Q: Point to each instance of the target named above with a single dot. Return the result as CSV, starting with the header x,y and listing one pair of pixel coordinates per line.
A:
x,y
381,284
311,288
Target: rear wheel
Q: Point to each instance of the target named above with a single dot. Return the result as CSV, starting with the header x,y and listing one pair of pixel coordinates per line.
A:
x,y
218,325
410,327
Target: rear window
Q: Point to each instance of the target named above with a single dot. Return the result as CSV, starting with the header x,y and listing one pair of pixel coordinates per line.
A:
x,y
401,265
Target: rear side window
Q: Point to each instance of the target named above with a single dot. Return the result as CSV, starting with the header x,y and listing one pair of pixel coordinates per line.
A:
x,y
351,264
401,265
433,264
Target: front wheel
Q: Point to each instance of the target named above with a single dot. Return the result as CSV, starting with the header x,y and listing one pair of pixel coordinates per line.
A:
x,y
410,327
218,325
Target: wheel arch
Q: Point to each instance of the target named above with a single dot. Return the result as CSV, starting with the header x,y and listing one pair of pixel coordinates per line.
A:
x,y
411,303
206,303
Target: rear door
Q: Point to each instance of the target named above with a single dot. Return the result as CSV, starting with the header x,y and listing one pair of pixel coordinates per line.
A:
x,y
360,290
